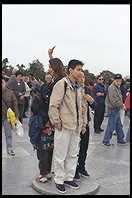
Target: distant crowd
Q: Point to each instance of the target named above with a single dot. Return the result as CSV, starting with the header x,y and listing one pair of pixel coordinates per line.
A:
x,y
60,116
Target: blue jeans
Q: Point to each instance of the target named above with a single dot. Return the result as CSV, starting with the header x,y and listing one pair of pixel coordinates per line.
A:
x,y
128,132
8,133
114,123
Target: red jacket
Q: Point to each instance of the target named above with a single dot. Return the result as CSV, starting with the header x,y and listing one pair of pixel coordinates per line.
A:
x,y
127,101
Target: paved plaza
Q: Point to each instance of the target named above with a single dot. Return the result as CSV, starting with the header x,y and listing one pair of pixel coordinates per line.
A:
x,y
109,167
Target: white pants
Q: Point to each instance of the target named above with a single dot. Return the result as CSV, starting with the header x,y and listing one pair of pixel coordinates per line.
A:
x,y
66,149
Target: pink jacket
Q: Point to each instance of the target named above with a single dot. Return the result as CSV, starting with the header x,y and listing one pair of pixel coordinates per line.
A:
x,y
127,101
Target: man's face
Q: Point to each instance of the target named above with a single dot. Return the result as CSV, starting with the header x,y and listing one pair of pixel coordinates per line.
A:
x,y
100,80
19,77
48,79
3,84
117,82
76,73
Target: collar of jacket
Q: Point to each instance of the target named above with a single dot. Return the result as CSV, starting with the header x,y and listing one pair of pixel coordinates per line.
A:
x,y
74,85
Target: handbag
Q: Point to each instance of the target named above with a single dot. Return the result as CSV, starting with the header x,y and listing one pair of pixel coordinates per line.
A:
x,y
11,118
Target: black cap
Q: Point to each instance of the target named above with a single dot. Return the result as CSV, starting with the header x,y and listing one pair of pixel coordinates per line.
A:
x,y
118,76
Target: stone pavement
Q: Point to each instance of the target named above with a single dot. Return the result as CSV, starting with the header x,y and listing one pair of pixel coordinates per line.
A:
x,y
109,167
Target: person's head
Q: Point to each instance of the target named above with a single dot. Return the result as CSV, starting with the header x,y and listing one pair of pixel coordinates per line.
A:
x,y
48,78
14,71
37,106
19,75
127,79
31,75
100,79
110,81
40,80
82,78
31,78
56,67
91,83
4,80
117,80
74,69
26,79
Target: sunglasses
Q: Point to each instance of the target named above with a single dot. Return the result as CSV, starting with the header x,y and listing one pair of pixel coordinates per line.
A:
x,y
100,79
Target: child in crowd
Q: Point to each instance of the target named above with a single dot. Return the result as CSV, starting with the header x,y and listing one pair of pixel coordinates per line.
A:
x,y
41,137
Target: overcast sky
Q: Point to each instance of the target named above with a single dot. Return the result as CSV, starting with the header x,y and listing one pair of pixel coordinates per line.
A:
x,y
97,34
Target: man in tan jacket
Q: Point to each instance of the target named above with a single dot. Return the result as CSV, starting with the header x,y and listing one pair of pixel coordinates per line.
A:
x,y
67,115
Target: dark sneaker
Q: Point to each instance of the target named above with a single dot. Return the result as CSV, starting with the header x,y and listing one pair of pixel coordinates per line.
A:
x,y
97,131
77,177
84,173
61,188
71,184
107,144
10,152
122,143
101,130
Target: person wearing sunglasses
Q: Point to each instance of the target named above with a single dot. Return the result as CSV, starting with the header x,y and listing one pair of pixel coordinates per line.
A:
x,y
99,94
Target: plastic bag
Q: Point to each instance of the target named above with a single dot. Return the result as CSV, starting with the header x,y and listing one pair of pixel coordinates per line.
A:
x,y
19,128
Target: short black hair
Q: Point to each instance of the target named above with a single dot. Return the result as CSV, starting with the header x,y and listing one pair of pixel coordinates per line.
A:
x,y
31,74
18,73
73,63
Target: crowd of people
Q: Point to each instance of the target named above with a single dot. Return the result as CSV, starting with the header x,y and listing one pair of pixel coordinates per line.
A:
x,y
60,115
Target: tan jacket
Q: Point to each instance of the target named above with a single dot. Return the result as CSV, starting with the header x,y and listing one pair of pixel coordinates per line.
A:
x,y
114,97
62,107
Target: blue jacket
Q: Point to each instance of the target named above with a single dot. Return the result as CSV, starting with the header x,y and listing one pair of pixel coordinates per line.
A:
x,y
99,88
37,136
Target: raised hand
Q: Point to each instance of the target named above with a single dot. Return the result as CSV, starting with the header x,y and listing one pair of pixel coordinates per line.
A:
x,y
50,52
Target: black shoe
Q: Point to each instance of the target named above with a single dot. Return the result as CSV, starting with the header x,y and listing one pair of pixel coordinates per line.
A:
x,y
84,173
71,184
61,188
77,176
97,131
101,130
107,144
122,143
